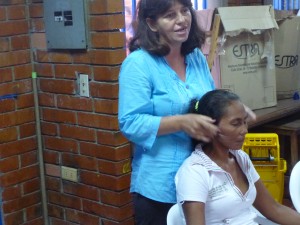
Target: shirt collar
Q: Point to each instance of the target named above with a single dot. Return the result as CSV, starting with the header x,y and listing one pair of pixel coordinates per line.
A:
x,y
199,157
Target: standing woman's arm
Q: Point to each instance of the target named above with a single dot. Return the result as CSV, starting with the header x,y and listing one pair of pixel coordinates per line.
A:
x,y
135,110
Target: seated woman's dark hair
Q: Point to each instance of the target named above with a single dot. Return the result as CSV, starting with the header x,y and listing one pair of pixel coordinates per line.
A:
x,y
147,39
213,104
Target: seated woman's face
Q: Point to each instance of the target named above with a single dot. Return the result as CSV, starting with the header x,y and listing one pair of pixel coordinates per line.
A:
x,y
233,126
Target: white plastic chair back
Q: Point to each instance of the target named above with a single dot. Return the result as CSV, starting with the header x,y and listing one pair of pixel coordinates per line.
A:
x,y
175,216
295,186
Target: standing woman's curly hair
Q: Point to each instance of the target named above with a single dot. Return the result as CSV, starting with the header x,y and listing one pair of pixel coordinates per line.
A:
x,y
147,39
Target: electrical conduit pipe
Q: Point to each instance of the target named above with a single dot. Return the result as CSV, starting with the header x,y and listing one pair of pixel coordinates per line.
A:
x,y
40,149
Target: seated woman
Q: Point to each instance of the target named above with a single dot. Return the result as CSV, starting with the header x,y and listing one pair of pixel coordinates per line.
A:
x,y
218,183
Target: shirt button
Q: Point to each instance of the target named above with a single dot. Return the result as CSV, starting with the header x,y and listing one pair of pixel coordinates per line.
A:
x,y
226,221
187,86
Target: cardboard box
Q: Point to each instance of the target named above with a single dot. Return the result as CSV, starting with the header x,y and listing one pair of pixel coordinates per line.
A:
x,y
246,56
287,50
247,65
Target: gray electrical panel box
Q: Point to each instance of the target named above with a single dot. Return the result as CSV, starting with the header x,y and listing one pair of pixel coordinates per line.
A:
x,y
65,24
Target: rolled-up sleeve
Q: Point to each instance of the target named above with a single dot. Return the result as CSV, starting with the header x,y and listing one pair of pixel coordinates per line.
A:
x,y
136,118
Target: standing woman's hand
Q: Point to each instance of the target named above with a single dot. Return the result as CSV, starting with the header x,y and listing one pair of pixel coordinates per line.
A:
x,y
199,127
251,114
196,126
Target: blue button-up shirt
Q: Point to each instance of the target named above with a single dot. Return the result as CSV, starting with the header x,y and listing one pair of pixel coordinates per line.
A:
x,y
149,90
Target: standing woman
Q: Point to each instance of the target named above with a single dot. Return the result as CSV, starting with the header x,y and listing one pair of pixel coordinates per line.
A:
x,y
163,73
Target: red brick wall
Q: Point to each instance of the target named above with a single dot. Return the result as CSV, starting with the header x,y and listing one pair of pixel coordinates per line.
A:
x,y
77,132
80,132
19,170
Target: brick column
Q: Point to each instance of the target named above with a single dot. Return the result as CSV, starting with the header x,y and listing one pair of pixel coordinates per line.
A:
x,y
19,170
83,133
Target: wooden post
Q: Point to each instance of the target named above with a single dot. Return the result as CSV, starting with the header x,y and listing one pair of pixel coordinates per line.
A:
x,y
214,40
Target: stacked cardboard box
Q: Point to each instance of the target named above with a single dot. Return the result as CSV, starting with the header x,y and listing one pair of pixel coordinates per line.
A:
x,y
258,53
246,54
287,50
